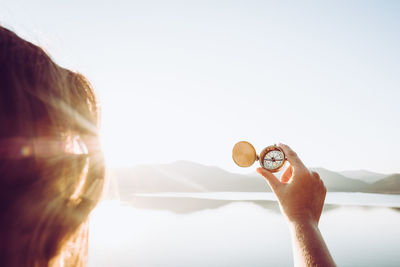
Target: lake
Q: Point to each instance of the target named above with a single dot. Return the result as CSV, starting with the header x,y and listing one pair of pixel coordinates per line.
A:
x,y
242,229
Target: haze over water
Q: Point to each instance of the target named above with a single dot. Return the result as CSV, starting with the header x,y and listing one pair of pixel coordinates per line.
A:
x,y
238,234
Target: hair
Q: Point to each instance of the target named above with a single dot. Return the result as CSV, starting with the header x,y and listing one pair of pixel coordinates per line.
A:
x,y
51,164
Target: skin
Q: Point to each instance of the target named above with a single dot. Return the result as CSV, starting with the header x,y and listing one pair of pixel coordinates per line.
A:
x,y
301,195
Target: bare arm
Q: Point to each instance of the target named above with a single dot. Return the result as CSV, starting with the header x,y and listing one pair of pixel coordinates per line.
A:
x,y
309,248
301,196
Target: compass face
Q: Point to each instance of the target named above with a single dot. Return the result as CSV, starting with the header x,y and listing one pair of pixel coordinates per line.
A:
x,y
273,159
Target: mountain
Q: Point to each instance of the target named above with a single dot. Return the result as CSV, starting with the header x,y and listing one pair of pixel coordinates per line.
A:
x,y
388,185
364,175
184,176
336,182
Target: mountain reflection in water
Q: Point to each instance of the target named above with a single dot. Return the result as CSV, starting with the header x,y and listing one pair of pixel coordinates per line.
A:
x,y
234,233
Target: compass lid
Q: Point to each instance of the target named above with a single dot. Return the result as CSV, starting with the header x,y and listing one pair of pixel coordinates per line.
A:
x,y
244,154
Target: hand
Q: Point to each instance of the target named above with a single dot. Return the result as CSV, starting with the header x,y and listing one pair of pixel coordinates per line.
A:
x,y
301,193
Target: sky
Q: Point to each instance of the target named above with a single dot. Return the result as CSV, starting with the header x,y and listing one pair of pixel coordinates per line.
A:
x,y
186,80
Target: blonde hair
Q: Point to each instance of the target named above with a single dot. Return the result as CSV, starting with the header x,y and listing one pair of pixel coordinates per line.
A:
x,y
51,164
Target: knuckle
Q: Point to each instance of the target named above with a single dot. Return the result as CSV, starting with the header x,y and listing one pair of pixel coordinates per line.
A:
x,y
315,174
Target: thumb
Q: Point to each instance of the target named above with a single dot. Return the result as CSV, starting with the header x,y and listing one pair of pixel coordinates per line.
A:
x,y
273,182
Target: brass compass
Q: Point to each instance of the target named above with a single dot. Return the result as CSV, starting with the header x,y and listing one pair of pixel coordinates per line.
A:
x,y
271,158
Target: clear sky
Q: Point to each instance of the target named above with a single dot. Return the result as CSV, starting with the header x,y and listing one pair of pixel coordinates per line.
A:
x,y
188,79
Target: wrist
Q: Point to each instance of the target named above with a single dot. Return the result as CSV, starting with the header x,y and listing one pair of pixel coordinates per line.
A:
x,y
302,221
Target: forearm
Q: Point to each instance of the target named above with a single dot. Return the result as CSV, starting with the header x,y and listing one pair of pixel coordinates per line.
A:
x,y
309,248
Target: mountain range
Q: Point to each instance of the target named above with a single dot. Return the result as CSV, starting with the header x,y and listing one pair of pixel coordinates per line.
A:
x,y
364,175
185,176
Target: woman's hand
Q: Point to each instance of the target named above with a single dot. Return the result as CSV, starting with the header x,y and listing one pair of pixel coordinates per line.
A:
x,y
301,193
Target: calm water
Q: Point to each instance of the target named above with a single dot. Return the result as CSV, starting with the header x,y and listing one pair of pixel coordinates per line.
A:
x,y
242,233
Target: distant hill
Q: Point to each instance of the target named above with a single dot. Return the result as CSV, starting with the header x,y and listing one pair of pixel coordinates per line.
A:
x,y
184,176
336,182
364,175
388,185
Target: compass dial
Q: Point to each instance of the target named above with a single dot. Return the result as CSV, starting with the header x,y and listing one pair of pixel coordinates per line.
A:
x,y
272,158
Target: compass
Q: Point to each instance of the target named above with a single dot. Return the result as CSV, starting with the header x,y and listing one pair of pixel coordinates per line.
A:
x,y
271,158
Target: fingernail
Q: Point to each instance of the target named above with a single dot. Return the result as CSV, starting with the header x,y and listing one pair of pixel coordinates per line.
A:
x,y
259,170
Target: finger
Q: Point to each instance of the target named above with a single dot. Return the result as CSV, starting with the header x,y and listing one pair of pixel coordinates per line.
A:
x,y
324,187
321,182
287,174
273,182
315,175
293,159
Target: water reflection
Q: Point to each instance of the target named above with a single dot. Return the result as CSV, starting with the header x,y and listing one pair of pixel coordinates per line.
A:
x,y
235,234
